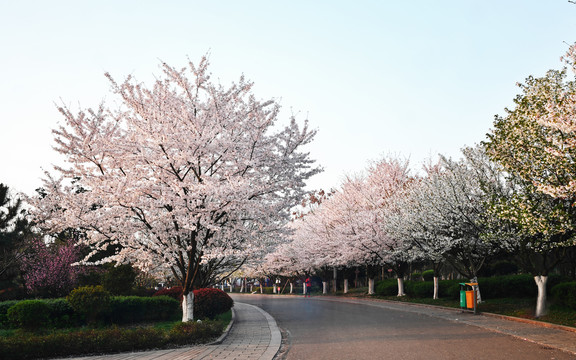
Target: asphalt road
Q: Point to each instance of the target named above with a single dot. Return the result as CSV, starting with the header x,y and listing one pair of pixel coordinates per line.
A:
x,y
319,329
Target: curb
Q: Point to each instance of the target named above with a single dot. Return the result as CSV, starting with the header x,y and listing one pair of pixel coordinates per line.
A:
x,y
226,331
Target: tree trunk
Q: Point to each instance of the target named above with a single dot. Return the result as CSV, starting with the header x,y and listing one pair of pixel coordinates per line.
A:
x,y
436,287
188,307
335,281
231,286
345,286
541,301
261,288
371,286
274,288
291,288
401,286
304,288
242,285
324,287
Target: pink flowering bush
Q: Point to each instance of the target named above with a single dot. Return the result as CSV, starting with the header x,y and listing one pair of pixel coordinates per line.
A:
x,y
47,268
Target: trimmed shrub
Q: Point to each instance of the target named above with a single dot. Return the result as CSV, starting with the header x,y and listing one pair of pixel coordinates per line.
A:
x,y
210,302
4,306
388,287
134,309
61,313
422,289
90,301
174,292
428,275
565,294
29,314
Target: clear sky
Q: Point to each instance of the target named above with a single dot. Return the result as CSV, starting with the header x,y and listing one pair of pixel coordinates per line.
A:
x,y
409,78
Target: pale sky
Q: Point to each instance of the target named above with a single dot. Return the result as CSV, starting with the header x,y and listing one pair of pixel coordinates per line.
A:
x,y
408,78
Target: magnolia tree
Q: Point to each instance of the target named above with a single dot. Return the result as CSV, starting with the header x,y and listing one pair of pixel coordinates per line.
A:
x,y
180,174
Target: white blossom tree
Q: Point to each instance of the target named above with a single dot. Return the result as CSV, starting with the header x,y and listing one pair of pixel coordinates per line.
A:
x,y
181,173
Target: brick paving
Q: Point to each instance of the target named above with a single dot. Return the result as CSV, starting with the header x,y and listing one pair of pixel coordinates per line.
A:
x,y
253,335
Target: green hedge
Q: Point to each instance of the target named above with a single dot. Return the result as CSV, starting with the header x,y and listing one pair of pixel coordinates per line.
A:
x,y
29,314
134,309
565,294
122,310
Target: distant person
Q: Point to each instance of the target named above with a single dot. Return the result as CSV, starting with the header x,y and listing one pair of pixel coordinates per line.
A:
x,y
308,287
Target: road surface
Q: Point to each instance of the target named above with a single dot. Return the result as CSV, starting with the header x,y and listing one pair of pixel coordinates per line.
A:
x,y
320,329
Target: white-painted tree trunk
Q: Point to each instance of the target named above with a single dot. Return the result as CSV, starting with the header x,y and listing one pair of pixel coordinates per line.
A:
x,y
291,288
231,286
222,286
324,287
371,286
401,286
261,288
274,286
436,287
242,285
188,307
304,288
541,281
345,286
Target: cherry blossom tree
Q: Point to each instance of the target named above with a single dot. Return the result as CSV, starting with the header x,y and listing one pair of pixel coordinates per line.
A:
x,y
182,173
534,143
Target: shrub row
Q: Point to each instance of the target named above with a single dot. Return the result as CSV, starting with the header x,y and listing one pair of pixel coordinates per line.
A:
x,y
510,286
59,313
28,346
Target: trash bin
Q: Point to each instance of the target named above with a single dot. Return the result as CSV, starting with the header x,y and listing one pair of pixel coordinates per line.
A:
x,y
463,295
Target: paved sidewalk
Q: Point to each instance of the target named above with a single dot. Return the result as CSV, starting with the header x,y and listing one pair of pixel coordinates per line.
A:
x,y
253,335
550,335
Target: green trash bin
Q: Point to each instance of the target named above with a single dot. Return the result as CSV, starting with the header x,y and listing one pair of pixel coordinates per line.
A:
x,y
463,295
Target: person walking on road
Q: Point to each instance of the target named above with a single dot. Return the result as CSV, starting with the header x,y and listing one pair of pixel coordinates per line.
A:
x,y
308,286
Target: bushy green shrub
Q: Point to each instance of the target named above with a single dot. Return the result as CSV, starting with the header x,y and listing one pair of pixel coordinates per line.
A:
x,y
90,301
428,275
416,276
565,294
134,309
388,287
29,314
210,302
422,289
